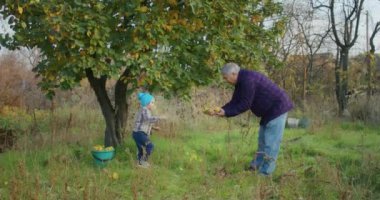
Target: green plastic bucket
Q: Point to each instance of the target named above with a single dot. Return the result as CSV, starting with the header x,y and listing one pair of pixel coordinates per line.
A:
x,y
101,158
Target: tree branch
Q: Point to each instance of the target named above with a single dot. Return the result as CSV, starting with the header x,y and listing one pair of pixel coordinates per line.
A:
x,y
353,11
333,24
99,87
357,23
323,37
321,5
377,29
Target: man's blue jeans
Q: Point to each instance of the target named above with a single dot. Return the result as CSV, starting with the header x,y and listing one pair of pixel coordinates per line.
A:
x,y
270,137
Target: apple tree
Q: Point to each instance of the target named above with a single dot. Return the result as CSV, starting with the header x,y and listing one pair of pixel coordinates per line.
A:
x,y
161,45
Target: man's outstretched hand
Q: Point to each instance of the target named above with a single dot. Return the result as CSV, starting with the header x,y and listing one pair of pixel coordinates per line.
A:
x,y
214,111
221,113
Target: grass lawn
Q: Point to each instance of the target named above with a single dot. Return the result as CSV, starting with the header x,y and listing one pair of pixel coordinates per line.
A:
x,y
332,162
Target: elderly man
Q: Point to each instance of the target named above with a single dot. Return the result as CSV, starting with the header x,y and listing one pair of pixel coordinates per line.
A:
x,y
266,100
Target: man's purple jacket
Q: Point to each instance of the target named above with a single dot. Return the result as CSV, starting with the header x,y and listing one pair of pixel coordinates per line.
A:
x,y
255,91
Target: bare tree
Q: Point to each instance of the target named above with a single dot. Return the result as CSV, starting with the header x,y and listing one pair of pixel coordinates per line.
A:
x,y
345,34
289,43
314,36
371,61
32,56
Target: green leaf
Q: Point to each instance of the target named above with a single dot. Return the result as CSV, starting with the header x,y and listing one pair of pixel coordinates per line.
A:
x,y
23,25
177,47
79,43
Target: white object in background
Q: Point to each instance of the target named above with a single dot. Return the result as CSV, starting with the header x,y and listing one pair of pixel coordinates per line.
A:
x,y
293,122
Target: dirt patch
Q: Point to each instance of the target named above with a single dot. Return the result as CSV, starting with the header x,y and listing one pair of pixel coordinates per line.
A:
x,y
221,172
7,139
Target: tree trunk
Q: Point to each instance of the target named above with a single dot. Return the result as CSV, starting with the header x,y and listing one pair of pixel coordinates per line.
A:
x,y
115,118
310,69
121,106
341,80
345,57
337,78
304,84
283,77
370,67
372,62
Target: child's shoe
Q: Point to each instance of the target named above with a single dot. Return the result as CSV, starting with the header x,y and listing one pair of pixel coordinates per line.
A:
x,y
143,164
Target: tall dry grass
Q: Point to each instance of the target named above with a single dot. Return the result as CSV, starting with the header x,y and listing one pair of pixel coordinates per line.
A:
x,y
18,85
366,109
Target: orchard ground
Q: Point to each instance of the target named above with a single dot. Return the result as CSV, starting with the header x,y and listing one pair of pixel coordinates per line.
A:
x,y
338,160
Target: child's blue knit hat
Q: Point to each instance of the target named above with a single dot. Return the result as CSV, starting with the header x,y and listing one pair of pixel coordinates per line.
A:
x,y
145,98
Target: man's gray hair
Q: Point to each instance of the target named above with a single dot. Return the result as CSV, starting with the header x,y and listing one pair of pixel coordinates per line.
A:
x,y
230,68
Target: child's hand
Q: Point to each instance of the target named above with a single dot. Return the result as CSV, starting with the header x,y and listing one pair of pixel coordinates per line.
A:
x,y
163,117
156,128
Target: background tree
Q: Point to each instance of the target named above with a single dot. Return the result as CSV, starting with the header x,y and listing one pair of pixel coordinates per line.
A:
x,y
289,44
164,45
305,34
372,61
314,37
345,20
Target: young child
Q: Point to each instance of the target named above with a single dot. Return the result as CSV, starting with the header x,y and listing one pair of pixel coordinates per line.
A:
x,y
142,130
